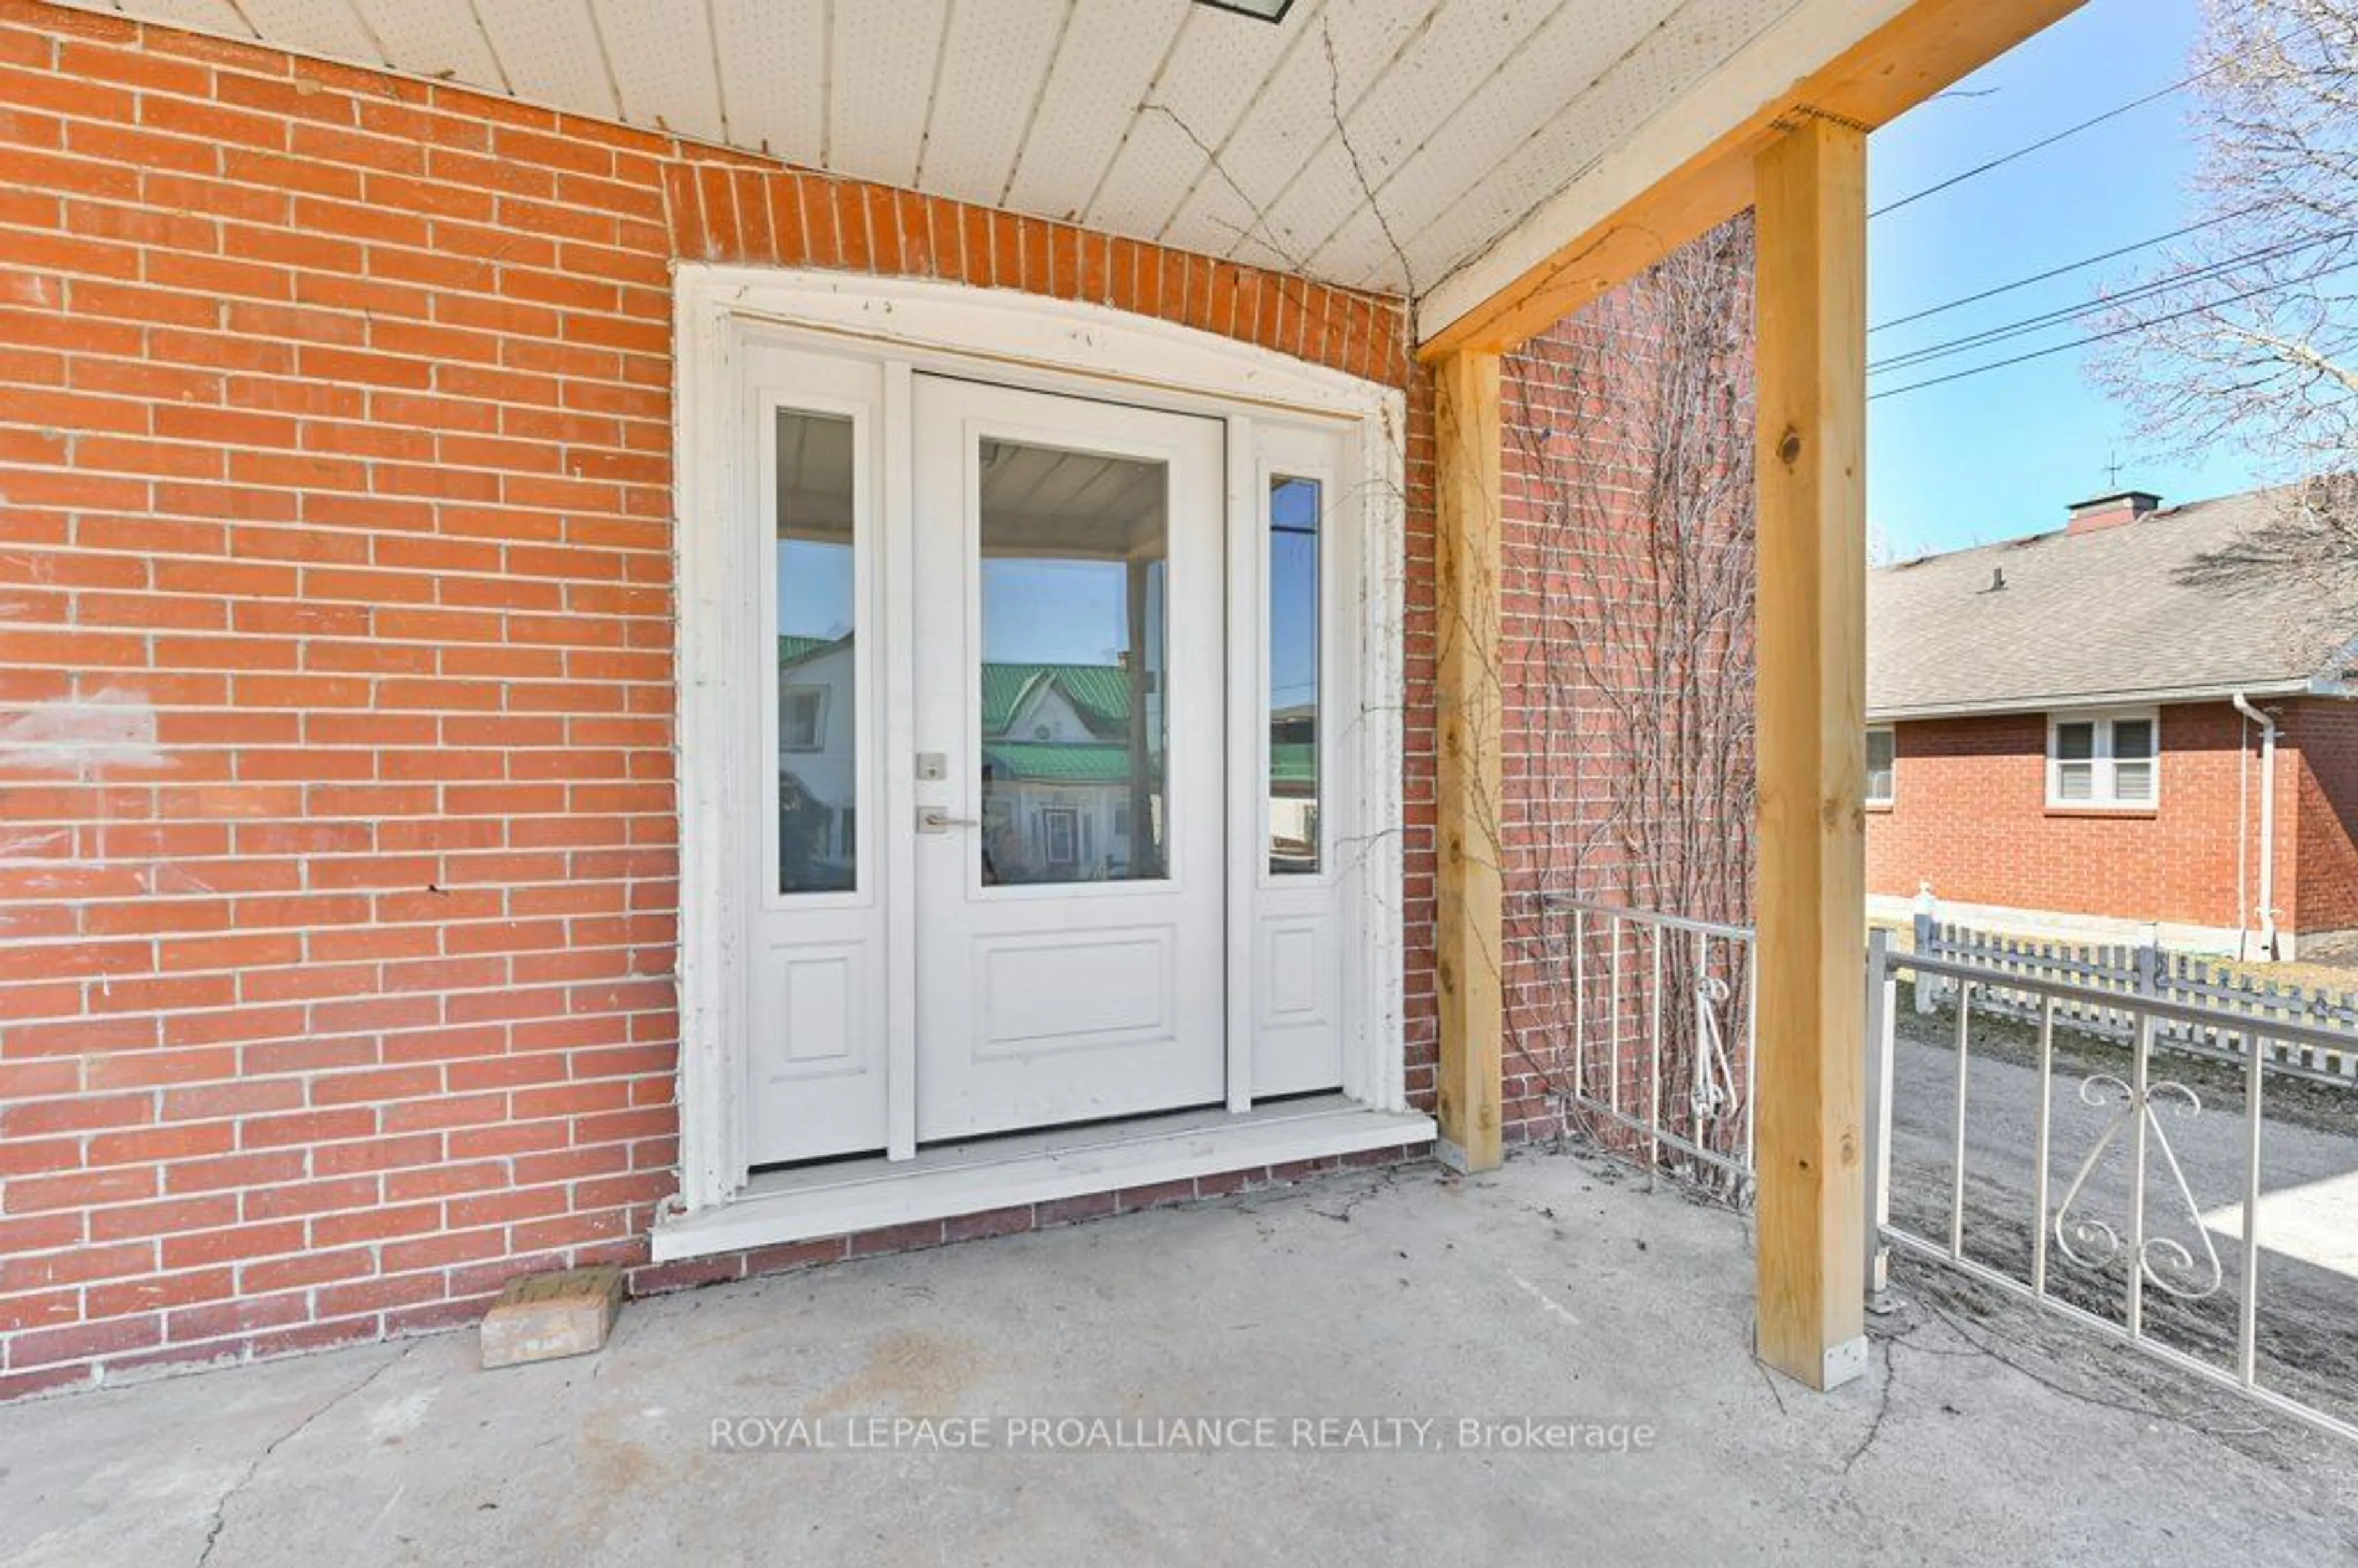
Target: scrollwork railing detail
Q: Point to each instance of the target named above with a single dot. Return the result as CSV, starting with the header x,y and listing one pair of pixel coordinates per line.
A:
x,y
2169,1264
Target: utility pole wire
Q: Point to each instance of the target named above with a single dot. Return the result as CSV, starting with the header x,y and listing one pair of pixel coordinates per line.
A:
x,y
2062,314
2058,271
2044,142
2180,85
2114,332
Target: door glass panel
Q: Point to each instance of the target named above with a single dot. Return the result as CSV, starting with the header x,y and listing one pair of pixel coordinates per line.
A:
x,y
1292,674
1075,562
818,764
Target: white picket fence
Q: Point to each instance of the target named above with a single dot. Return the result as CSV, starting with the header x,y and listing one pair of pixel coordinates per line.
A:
x,y
2143,972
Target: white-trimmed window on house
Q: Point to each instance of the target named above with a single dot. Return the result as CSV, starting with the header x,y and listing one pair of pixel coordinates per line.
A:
x,y
1882,766
2104,759
802,718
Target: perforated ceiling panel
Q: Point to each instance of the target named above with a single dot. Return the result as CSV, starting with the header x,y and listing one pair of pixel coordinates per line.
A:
x,y
1286,126
1435,213
430,38
217,17
662,59
1105,69
772,56
1374,142
993,53
334,31
1214,74
880,66
550,53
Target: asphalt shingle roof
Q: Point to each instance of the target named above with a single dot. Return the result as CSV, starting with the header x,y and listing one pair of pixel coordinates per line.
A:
x,y
2095,617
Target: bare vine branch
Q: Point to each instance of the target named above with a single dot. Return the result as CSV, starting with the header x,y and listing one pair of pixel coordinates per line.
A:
x,y
1629,667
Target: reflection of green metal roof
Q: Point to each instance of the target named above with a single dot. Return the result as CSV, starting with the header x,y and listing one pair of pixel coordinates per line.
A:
x,y
1053,762
1100,693
1294,762
793,649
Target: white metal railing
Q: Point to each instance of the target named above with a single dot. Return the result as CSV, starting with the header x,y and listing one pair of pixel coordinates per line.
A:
x,y
2073,1250
1660,1033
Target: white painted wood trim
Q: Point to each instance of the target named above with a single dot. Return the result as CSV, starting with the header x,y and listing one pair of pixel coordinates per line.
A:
x,y
1375,1007
1247,839
1014,330
2151,696
992,1173
2101,760
1890,798
711,1050
1763,70
900,568
1025,341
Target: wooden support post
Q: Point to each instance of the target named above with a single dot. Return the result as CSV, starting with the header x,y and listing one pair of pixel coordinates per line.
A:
x,y
1809,1097
1471,912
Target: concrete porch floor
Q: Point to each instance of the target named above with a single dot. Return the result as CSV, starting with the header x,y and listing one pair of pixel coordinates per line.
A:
x,y
1558,1287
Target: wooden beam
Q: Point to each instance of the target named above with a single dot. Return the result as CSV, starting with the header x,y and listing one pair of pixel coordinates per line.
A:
x,y
1471,913
1809,1098
1652,196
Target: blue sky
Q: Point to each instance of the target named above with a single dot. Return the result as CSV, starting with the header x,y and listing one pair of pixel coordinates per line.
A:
x,y
1999,455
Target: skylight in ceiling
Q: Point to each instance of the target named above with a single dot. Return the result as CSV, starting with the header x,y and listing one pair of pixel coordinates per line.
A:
x,y
1266,10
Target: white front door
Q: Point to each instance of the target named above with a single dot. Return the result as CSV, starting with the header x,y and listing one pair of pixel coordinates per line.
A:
x,y
1068,726
1030,802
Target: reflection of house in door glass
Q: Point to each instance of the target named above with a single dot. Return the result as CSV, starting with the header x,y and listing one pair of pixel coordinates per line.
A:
x,y
819,778
1293,505
1073,558
1056,775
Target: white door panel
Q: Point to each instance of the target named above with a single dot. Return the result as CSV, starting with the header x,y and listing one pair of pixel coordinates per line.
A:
x,y
811,769
1070,674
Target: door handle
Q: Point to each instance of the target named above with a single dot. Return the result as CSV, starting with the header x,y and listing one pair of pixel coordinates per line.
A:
x,y
937,819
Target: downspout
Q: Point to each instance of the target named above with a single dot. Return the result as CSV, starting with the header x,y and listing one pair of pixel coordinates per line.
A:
x,y
2267,821
2243,838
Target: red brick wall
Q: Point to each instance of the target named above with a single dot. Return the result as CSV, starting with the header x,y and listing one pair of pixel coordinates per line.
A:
x,y
1971,816
1597,420
336,673
2322,735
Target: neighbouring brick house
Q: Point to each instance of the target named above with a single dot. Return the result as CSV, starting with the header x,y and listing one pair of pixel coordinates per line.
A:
x,y
508,509
2058,747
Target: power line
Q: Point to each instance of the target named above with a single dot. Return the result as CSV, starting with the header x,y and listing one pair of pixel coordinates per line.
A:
x,y
2207,273
2089,123
2100,337
2201,274
2069,267
2048,140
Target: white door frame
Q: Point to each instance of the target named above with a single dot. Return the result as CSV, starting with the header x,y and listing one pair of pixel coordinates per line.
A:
x,y
1050,345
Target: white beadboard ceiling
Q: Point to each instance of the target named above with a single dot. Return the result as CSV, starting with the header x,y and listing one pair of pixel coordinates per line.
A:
x,y
1380,144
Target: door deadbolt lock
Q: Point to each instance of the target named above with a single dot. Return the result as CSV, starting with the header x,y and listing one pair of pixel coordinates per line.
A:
x,y
933,766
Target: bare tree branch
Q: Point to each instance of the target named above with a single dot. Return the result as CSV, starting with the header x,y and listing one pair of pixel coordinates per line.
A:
x,y
2234,336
